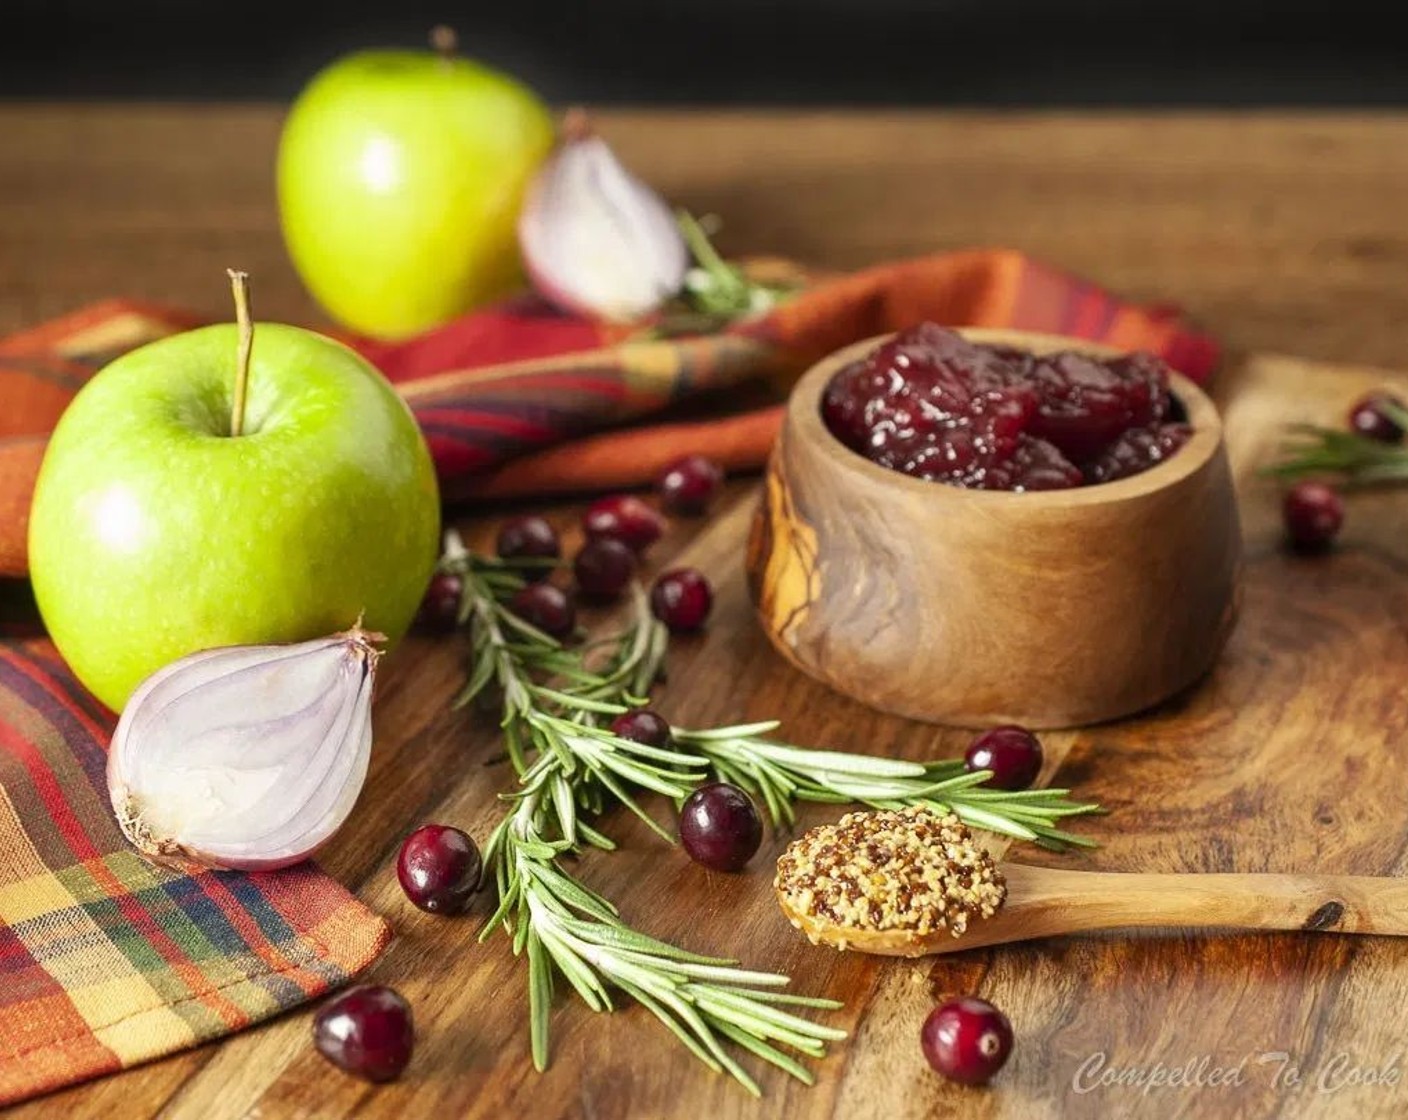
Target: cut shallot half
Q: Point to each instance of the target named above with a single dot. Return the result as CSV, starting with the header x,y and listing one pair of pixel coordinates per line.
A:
x,y
245,757
596,241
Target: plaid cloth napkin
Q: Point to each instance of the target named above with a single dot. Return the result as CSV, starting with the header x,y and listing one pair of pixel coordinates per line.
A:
x,y
106,961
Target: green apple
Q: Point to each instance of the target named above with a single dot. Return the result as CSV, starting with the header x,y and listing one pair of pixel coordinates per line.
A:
x,y
400,177
155,532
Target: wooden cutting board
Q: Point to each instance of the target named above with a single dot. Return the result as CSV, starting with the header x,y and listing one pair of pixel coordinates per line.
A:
x,y
1292,756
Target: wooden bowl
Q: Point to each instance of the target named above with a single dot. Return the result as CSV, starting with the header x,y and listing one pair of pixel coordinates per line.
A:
x,y
970,607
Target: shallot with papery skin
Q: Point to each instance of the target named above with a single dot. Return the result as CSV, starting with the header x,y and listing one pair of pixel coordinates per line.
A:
x,y
245,757
596,241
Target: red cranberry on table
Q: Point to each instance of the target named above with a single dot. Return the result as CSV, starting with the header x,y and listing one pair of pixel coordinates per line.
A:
x,y
1368,418
547,607
367,1031
439,868
440,606
1012,753
529,538
967,1040
642,725
604,568
682,599
625,518
1313,513
688,485
720,827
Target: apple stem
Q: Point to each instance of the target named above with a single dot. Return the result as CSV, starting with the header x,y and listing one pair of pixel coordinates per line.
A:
x,y
239,284
444,41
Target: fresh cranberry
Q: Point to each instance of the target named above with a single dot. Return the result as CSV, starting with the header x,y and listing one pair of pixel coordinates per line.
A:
x,y
604,569
547,607
967,1040
682,599
439,868
367,1031
720,827
440,606
933,405
1313,513
625,518
642,725
688,485
1012,753
529,538
1369,419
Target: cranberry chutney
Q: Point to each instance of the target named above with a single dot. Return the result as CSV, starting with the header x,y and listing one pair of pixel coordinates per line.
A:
x,y
963,605
934,405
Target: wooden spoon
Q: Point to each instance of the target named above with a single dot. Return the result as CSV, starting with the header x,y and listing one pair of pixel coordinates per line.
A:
x,y
1043,902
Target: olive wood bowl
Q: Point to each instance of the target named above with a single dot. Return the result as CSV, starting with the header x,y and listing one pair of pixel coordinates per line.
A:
x,y
970,607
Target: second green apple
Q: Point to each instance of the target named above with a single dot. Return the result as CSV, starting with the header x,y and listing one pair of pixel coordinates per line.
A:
x,y
400,177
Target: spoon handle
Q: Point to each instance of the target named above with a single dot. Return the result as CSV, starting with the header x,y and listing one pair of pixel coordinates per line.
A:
x,y
1043,901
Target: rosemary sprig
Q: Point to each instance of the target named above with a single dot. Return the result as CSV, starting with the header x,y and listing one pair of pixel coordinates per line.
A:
x,y
552,917
557,921
715,292
779,775
518,657
1315,450
554,700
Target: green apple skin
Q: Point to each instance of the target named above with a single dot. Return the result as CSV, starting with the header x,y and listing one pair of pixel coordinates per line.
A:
x,y
400,178
154,533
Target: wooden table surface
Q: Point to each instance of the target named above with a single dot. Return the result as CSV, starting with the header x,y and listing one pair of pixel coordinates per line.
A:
x,y
1278,232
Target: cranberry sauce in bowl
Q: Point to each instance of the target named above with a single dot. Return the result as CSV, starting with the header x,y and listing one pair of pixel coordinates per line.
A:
x,y
946,602
934,405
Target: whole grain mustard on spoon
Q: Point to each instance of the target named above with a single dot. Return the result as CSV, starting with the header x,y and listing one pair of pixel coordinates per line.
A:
x,y
914,882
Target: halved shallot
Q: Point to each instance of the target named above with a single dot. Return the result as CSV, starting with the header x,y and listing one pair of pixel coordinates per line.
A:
x,y
245,757
596,241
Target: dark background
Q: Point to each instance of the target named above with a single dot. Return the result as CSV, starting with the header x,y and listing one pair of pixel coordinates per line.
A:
x,y
993,52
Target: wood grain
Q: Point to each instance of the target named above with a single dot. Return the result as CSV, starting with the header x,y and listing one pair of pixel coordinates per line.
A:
x,y
1055,609
1279,231
1283,232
